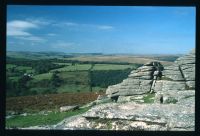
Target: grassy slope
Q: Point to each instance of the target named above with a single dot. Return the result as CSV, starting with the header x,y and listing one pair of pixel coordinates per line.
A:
x,y
38,119
48,102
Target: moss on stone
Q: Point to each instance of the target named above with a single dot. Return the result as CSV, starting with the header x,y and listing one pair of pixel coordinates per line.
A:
x,y
188,88
149,98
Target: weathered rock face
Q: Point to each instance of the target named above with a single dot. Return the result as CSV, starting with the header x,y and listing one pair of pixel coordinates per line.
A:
x,y
132,116
177,80
138,82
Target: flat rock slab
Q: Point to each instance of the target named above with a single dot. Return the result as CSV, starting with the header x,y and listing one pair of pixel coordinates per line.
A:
x,y
174,73
164,85
189,76
135,98
132,116
113,89
146,68
171,116
173,95
68,108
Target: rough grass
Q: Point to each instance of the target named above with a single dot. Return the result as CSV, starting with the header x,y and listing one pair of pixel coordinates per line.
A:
x,y
38,119
48,102
72,88
149,98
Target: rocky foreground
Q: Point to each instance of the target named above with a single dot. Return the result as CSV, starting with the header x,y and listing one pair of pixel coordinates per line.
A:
x,y
153,97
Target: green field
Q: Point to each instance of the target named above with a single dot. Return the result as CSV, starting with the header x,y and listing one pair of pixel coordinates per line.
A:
x,y
84,67
111,67
63,63
74,76
9,66
44,76
24,69
76,67
15,78
39,119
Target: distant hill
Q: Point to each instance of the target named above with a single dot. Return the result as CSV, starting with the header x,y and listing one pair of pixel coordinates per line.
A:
x,y
98,57
35,55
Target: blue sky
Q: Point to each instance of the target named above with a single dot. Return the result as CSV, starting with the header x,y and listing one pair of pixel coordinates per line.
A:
x,y
101,29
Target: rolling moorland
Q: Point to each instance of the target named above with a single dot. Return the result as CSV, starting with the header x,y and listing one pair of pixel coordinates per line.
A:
x,y
39,83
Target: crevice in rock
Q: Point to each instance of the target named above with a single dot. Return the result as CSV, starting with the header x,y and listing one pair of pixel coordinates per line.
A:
x,y
115,98
161,99
157,73
105,120
182,73
186,86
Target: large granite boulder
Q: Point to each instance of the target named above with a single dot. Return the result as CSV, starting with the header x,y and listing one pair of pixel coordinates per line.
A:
x,y
176,78
132,116
138,82
187,67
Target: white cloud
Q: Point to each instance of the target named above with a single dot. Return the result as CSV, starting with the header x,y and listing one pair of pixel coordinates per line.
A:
x,y
63,45
31,38
17,33
96,26
105,27
182,12
80,26
18,24
19,28
65,24
40,21
70,24
51,34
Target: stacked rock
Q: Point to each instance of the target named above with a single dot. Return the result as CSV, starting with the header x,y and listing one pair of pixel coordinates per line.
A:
x,y
187,66
138,82
177,80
